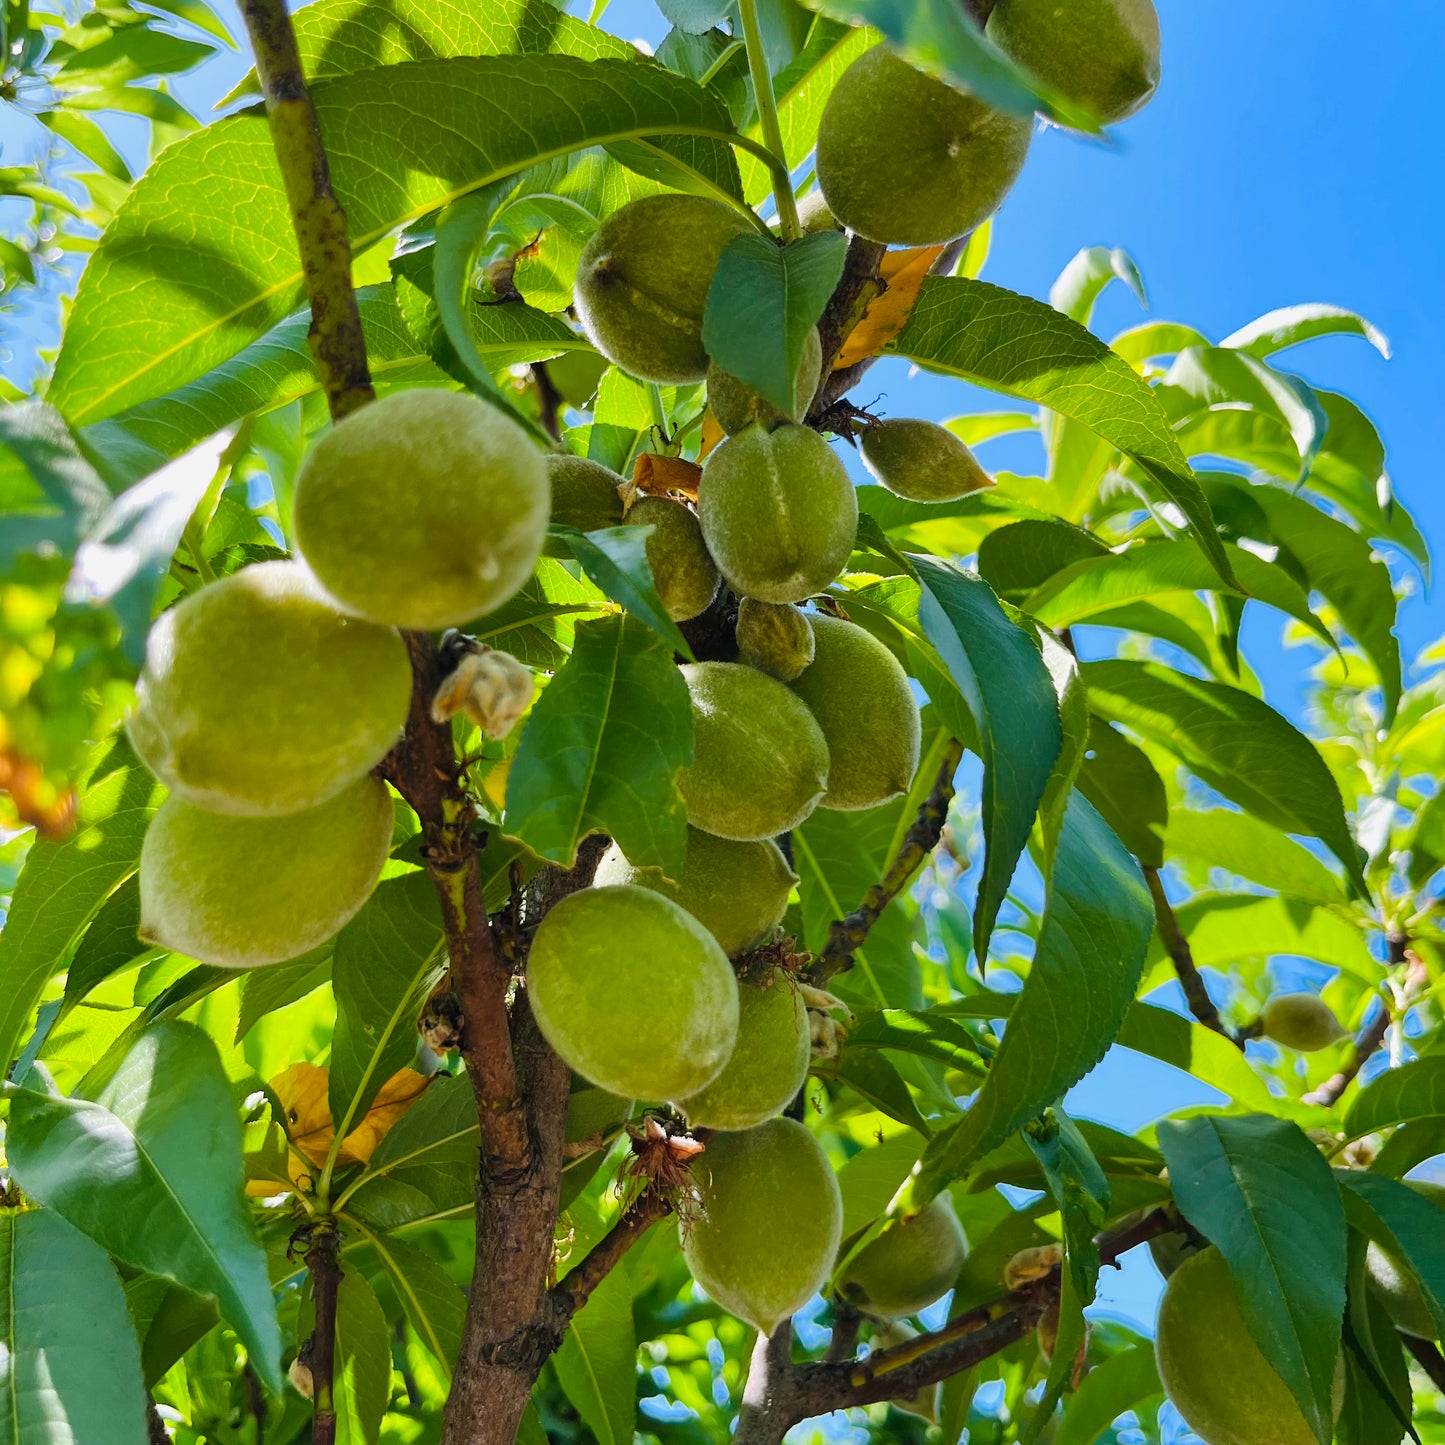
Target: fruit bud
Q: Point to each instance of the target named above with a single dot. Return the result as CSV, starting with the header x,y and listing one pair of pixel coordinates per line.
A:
x,y
1300,1021
492,688
774,637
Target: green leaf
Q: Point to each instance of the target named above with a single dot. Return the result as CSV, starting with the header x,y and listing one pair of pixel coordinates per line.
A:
x,y
382,962
362,1384
1121,782
1252,849
168,1320
1018,558
110,943
876,1079
597,1362
1011,343
1412,1091
133,53
174,289
538,624
927,1034
435,1306
615,558
602,749
1234,742
63,885
50,495
1097,921
71,1371
265,990
1427,841
1261,1191
1081,1190
763,302
1291,325
151,1169
1126,1381
1155,339
1407,1224
1084,279
89,139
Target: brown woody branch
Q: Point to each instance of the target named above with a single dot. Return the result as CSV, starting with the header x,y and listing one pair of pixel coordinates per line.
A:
x,y
566,1298
848,935
1177,947
319,222
323,1266
1372,1037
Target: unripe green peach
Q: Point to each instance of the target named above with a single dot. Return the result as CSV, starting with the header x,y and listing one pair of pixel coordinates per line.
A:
x,y
643,279
425,509
774,637
773,1217
242,892
1169,1251
860,696
633,992
814,214
760,762
1213,1372
921,460
1300,1021
779,512
905,159
910,1264
1404,1300
685,574
259,698
735,407
768,1063
584,493
737,891
1104,54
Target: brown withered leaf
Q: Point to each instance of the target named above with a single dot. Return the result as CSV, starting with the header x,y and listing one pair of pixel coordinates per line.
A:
x,y
652,472
34,798
903,274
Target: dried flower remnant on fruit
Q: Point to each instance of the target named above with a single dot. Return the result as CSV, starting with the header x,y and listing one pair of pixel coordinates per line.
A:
x,y
663,1153
1031,1264
491,688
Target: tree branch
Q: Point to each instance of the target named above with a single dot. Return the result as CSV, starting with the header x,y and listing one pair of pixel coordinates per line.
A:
x,y
1177,947
1370,1039
336,338
768,1406
567,1297
848,935
324,1267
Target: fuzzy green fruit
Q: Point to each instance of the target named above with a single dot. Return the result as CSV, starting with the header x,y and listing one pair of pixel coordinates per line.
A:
x,y
814,214
259,698
242,892
774,1216
768,1064
779,512
1104,54
907,160
633,992
922,461
760,762
584,493
911,1263
425,509
685,574
864,705
736,408
737,891
642,283
774,637
1404,1300
1213,1372
1300,1021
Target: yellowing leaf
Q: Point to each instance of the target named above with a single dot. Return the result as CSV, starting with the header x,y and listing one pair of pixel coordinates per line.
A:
x,y
903,274
712,434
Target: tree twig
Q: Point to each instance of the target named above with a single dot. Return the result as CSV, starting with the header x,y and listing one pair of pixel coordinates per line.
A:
x,y
319,222
570,1294
324,1268
1372,1036
848,935
549,400
1177,947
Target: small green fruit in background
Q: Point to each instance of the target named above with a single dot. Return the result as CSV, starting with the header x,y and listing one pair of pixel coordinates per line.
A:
x,y
911,1263
633,992
860,696
907,160
243,892
925,1403
642,283
685,574
779,512
1169,1251
760,762
735,407
1104,54
1404,1300
774,637
773,1217
737,891
1300,1021
425,509
814,214
769,1062
584,493
921,460
1213,1372
575,376
259,698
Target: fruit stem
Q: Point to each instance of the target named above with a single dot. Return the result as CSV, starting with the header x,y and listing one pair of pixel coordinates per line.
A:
x,y
659,411
768,119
